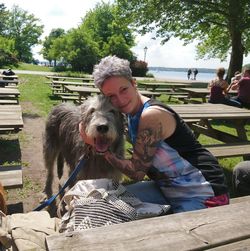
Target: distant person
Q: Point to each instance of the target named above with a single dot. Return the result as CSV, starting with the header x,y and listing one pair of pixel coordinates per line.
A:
x,y
241,178
243,87
195,72
237,76
218,90
189,73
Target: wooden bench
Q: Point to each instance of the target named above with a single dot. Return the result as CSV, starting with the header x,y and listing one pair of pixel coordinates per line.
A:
x,y
183,98
229,150
66,98
8,101
11,176
218,228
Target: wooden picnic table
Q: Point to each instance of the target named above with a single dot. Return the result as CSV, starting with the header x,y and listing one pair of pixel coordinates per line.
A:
x,y
62,78
201,93
64,83
5,92
207,112
11,117
84,92
220,228
154,85
2,76
8,83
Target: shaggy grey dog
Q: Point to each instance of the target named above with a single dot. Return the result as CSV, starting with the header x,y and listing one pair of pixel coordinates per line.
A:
x,y
62,141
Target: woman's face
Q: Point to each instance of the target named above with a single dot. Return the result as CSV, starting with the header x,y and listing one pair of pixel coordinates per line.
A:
x,y
122,93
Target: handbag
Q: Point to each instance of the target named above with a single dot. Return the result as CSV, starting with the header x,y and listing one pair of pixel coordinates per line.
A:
x,y
103,202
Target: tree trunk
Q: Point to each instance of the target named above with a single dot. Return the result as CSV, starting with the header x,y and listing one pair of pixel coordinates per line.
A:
x,y
237,53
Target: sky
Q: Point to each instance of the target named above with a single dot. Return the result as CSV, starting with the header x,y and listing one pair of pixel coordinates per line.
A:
x,y
67,14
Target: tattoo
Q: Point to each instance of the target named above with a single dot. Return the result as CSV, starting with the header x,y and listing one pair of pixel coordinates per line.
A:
x,y
146,144
148,139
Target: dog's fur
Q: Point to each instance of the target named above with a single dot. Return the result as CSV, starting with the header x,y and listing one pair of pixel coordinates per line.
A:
x,y
62,139
3,206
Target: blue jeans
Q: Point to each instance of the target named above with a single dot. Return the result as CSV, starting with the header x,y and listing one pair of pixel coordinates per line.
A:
x,y
148,191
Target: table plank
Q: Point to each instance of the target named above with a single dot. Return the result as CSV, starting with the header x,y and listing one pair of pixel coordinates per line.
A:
x,y
196,230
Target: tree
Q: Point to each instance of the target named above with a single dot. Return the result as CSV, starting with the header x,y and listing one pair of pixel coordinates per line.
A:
x,y
7,52
3,18
47,44
24,28
111,34
221,26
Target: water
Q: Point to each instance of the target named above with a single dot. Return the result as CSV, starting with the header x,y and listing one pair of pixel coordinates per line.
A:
x,y
181,75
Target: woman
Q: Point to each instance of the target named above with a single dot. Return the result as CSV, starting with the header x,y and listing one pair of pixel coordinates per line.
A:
x,y
219,89
183,173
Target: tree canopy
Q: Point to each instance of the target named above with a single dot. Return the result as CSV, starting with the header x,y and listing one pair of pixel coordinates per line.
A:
x,y
20,31
25,29
100,34
222,27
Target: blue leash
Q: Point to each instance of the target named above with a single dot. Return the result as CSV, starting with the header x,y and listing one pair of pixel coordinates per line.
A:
x,y
70,179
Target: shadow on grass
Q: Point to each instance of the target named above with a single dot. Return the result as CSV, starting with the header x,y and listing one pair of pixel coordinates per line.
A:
x,y
10,151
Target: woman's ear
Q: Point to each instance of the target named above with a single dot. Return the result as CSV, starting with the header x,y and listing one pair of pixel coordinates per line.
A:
x,y
133,82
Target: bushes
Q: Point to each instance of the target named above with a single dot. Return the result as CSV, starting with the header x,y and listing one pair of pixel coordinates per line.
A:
x,y
139,68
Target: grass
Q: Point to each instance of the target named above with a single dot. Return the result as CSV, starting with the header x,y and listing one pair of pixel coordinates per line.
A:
x,y
34,89
32,67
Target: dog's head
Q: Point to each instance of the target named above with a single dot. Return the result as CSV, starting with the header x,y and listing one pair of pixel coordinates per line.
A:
x,y
102,122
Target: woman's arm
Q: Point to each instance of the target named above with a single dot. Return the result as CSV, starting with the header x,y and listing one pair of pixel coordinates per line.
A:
x,y
155,125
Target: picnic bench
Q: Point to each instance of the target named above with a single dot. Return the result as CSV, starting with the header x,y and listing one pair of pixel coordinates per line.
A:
x,y
10,77
10,118
11,176
62,78
219,228
8,83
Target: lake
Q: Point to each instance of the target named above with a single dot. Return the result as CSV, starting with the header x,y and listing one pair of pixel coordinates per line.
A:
x,y
181,75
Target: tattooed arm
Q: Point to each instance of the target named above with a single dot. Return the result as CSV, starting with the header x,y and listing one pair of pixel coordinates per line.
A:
x,y
155,125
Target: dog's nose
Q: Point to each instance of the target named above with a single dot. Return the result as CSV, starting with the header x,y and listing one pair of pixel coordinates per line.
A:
x,y
102,128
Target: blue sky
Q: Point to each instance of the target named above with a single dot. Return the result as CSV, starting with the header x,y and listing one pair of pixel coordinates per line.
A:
x,y
68,14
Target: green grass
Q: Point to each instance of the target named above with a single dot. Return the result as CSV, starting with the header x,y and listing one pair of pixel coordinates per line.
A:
x,y
32,67
34,89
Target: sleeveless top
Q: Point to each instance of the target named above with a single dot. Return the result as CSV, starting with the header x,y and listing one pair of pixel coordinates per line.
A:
x,y
182,168
216,92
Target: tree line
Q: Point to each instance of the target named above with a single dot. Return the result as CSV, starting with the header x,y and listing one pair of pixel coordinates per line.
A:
x,y
222,28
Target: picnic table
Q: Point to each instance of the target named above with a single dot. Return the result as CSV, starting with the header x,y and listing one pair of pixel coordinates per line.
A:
x,y
205,113
220,228
5,77
155,85
201,93
8,83
61,84
9,95
84,92
11,118
62,78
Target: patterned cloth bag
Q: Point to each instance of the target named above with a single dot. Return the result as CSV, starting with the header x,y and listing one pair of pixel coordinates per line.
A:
x,y
102,202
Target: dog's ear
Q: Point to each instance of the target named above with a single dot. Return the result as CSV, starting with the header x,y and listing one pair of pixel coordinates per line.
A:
x,y
84,110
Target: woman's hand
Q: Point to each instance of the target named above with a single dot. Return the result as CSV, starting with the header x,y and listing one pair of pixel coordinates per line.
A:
x,y
84,136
